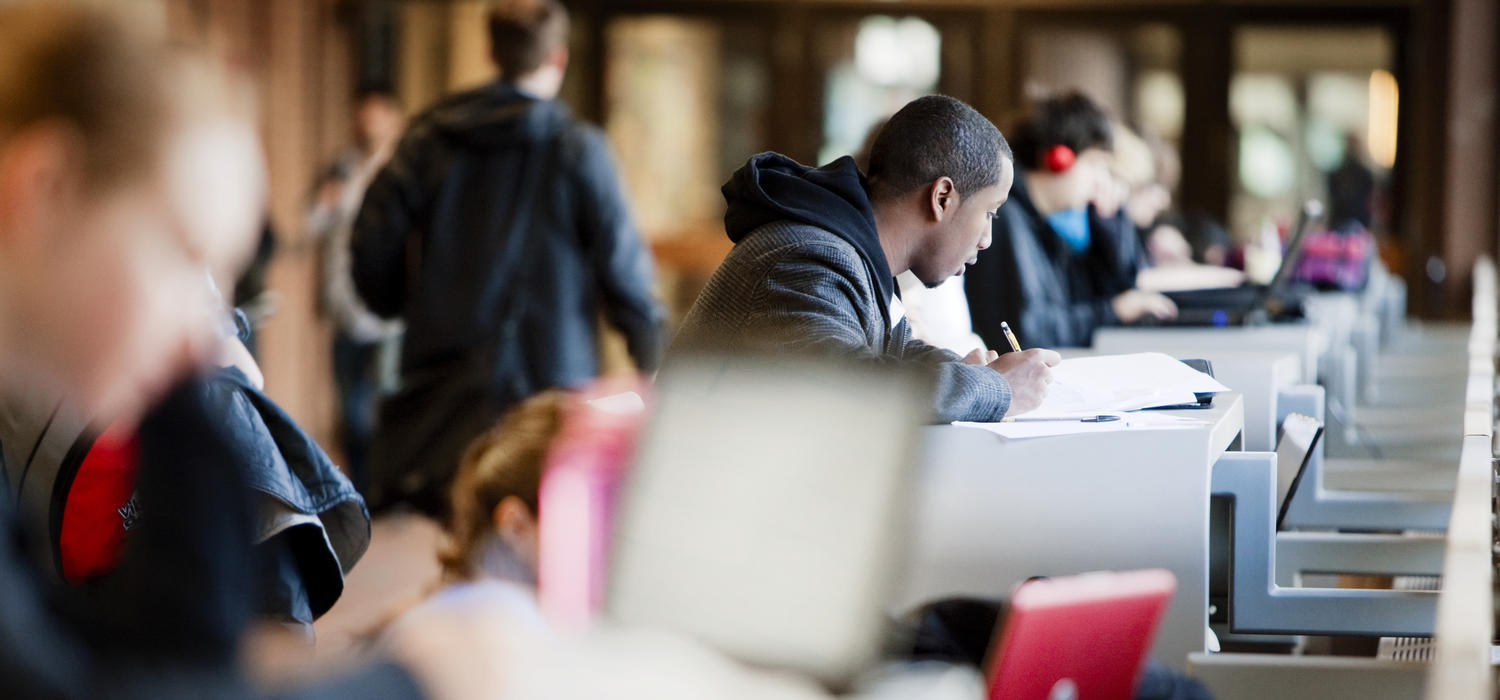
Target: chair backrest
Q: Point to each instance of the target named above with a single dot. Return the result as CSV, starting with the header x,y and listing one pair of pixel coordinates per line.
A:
x,y
1299,435
1078,636
766,509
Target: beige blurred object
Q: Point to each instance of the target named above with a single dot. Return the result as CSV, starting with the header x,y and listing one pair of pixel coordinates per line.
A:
x,y
641,664
1184,277
399,570
793,475
660,95
1133,161
1168,247
462,652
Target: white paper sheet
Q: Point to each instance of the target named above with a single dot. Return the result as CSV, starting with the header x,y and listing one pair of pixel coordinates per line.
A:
x,y
1111,383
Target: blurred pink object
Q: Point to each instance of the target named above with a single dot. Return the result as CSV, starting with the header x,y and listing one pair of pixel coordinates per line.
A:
x,y
586,466
1337,259
1084,636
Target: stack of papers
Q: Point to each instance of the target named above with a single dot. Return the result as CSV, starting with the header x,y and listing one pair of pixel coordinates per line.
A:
x,y
1115,385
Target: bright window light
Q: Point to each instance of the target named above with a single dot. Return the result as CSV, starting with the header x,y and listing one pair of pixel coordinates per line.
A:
x,y
1384,99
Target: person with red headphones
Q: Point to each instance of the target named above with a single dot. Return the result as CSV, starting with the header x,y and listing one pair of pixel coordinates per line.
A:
x,y
1050,272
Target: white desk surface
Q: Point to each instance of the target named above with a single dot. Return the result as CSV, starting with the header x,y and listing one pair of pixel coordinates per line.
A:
x,y
992,512
1308,340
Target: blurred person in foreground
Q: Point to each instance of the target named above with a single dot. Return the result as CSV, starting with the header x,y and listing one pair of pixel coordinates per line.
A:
x,y
360,338
498,232
1055,273
125,171
817,251
81,472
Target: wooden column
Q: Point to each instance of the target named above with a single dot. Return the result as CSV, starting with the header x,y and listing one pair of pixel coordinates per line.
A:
x,y
1207,143
1470,180
998,48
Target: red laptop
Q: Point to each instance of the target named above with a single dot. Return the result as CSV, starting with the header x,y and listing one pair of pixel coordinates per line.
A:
x,y
1078,637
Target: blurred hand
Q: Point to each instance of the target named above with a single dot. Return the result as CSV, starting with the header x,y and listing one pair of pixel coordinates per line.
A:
x,y
980,356
330,193
1136,304
1029,374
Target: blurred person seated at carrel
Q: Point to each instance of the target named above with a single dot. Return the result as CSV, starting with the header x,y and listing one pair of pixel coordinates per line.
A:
x,y
817,251
1164,257
1054,274
492,538
498,233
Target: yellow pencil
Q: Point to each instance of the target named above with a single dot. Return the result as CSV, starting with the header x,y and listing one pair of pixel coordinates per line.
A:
x,y
1005,328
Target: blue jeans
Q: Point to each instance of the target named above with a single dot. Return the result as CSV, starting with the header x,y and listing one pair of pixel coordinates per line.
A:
x,y
355,378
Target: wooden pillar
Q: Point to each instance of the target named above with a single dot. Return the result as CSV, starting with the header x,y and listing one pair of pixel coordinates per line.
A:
x,y
796,126
997,46
423,67
469,62
294,342
1421,154
1469,224
1207,141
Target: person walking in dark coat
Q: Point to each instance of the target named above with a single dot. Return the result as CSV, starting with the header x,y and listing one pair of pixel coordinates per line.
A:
x,y
1052,275
817,251
498,232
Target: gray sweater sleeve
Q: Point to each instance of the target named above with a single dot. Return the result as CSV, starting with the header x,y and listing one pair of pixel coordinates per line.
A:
x,y
964,392
807,303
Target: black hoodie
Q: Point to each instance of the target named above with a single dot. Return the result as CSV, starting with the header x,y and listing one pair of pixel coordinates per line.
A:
x,y
772,187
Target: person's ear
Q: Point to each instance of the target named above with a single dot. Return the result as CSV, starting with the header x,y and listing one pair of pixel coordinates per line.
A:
x,y
944,198
514,522
39,177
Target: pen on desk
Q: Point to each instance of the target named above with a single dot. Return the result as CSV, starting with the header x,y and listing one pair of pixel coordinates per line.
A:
x,y
1009,336
1101,418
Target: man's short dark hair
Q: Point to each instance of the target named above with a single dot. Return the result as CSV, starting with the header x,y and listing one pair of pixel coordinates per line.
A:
x,y
1070,119
376,91
933,137
523,32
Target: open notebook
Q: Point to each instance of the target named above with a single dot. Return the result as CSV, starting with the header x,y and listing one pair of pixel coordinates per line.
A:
x,y
1117,385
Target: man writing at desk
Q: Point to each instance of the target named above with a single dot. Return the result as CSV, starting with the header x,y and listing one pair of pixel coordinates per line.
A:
x,y
817,251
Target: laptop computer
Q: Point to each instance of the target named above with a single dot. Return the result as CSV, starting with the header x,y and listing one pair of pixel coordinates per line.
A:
x,y
1251,303
1075,637
767,508
1299,436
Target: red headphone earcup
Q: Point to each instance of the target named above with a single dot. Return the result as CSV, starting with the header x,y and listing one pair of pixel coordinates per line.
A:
x,y
1059,158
